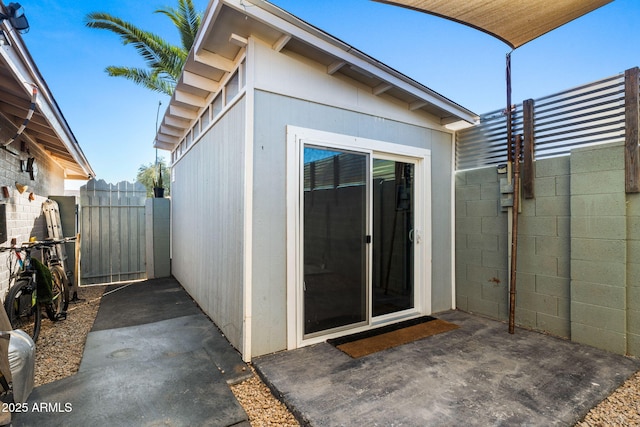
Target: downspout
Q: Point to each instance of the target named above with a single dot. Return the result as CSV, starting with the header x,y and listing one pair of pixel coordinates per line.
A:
x,y
514,234
512,177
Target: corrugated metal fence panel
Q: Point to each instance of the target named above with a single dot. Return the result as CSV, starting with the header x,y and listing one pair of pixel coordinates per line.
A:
x,y
112,230
585,115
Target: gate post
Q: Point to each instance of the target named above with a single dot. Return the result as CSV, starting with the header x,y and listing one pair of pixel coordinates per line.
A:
x,y
158,225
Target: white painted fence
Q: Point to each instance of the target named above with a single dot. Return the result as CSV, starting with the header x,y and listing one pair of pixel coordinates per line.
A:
x,y
112,229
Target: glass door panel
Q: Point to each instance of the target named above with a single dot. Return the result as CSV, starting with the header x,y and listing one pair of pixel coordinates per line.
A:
x,y
393,247
335,232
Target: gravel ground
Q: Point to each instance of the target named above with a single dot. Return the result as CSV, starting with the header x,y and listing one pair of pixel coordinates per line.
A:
x,y
60,346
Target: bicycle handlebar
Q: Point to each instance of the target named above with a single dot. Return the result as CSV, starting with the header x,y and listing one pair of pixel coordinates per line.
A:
x,y
37,244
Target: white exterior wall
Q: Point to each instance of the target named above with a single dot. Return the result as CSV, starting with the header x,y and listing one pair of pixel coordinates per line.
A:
x,y
24,216
208,222
294,91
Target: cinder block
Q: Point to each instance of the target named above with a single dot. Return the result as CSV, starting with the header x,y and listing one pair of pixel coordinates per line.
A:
x,y
633,204
545,186
598,158
495,225
494,291
553,246
610,204
605,272
552,285
490,191
468,225
487,242
460,179
552,206
525,317
484,307
538,226
604,339
537,302
480,274
598,249
469,256
554,325
564,226
597,182
461,303
633,345
563,185
612,227
552,167
482,208
606,318
633,320
525,282
599,294
538,264
482,175
468,192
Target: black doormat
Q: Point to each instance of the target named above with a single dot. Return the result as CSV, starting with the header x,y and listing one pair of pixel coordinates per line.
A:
x,y
378,339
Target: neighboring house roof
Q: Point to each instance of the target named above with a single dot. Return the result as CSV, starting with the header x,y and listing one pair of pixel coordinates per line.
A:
x,y
226,26
48,128
513,22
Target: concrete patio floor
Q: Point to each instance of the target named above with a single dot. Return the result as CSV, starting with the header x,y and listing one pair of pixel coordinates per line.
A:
x,y
476,375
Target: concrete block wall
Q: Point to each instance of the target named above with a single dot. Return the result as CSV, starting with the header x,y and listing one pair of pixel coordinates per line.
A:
x,y
578,250
481,244
599,247
24,216
543,268
633,274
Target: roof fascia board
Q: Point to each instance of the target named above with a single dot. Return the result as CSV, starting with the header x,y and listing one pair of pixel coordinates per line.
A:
x,y
273,15
27,75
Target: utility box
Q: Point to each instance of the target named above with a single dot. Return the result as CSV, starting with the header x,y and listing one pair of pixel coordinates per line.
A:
x,y
158,236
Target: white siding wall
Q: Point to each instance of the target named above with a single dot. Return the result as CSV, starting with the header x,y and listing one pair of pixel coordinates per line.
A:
x,y
273,113
207,220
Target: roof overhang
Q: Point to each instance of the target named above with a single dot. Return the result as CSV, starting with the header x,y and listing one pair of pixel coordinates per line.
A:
x,y
513,22
47,127
226,27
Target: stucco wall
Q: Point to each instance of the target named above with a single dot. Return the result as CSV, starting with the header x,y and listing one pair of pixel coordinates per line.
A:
x,y
578,250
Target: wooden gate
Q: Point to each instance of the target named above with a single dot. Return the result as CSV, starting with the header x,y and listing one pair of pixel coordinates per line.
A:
x,y
112,230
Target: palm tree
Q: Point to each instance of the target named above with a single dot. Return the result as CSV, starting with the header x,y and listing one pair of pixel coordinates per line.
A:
x,y
164,60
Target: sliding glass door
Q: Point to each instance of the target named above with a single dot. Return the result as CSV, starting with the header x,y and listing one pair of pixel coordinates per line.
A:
x,y
358,238
335,230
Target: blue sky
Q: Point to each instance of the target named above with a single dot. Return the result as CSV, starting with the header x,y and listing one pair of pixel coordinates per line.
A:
x,y
114,120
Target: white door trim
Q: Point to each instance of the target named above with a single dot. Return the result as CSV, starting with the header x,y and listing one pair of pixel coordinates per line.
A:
x,y
296,138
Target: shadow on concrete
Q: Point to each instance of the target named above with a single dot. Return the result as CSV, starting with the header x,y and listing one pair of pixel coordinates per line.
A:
x,y
152,358
477,375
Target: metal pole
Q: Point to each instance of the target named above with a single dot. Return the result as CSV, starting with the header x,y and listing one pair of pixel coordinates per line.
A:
x,y
514,234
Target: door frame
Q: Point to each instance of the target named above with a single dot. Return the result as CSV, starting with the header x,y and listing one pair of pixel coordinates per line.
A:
x,y
297,137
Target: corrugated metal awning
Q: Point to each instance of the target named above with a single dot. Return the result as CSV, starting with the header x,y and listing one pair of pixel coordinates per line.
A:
x,y
515,22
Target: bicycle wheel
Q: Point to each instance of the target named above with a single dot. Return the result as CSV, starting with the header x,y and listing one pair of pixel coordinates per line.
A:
x,y
57,310
22,307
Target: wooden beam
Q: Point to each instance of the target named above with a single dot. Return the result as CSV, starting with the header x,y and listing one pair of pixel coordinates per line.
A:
x,y
416,105
281,42
632,120
335,66
214,60
528,171
381,88
200,82
189,98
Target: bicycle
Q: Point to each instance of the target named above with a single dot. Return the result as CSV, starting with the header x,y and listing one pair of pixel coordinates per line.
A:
x,y
21,303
